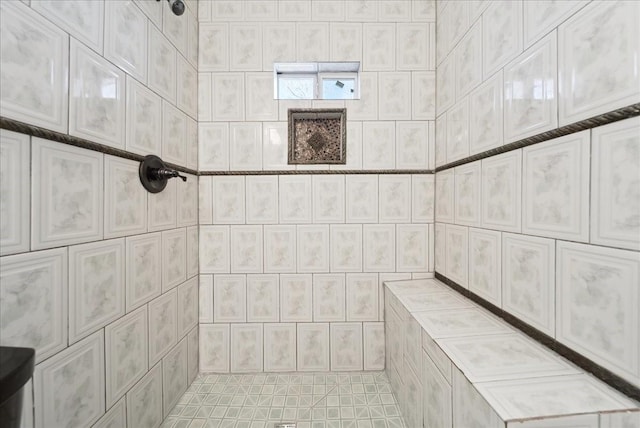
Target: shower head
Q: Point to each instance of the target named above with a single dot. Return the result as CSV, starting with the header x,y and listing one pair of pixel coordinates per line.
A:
x,y
177,6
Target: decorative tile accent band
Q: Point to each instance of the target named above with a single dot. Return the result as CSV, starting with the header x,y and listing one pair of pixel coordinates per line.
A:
x,y
576,358
603,119
36,131
323,172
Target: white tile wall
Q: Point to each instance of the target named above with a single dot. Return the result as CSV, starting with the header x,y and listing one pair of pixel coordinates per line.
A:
x,y
103,71
548,214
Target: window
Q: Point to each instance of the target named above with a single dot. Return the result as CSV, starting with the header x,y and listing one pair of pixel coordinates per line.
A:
x,y
316,81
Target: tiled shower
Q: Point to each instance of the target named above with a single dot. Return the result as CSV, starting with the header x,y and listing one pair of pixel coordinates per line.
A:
x,y
495,147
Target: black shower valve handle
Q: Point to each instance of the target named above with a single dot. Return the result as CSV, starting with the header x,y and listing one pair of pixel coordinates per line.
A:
x,y
168,173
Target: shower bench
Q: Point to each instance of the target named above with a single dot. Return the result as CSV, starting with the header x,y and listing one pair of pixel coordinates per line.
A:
x,y
451,363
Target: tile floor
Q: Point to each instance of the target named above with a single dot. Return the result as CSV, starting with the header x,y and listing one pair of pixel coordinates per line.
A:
x,y
312,400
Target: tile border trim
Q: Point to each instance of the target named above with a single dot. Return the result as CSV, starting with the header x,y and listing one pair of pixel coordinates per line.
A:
x,y
603,374
37,131
627,112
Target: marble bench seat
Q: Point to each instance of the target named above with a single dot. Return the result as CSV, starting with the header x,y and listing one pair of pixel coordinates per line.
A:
x,y
452,363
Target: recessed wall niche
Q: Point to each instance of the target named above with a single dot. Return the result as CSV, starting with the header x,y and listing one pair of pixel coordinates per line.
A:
x,y
317,136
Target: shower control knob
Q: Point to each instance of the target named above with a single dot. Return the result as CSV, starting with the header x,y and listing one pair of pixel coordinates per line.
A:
x,y
154,174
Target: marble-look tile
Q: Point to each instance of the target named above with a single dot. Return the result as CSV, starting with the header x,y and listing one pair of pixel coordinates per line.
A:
x,y
459,323
412,248
174,133
501,34
245,47
204,98
346,248
33,301
228,193
424,10
469,61
296,298
446,89
362,198
345,41
125,199
346,346
411,398
379,151
15,185
152,9
214,348
274,146
125,38
437,356
312,41
443,27
35,66
379,248
229,298
262,199
144,119
126,347
192,37
550,396
213,51
96,113
422,198
245,141
174,376
73,376
115,417
459,21
365,108
280,249
620,419
295,199
162,69
329,297
412,349
144,400
313,347
175,28
394,10
441,140
541,16
279,347
586,52
96,286
530,91
501,357
143,269
362,297
260,104
379,40
412,145
246,249
470,408
412,52
278,43
361,10
187,200
486,115
433,300
263,298
501,191
528,282
395,198
373,345
615,164
328,10
423,100
82,19
246,348
192,251
328,199
313,248
457,254
445,196
467,194
440,248
205,200
602,326
227,10
485,264
458,131
436,394
187,306
174,258
163,319
187,87
555,201
193,357
205,297
213,146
